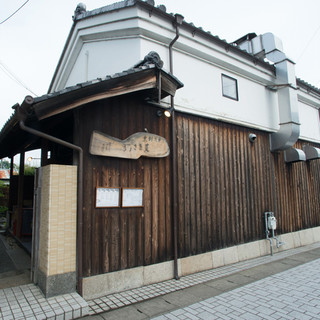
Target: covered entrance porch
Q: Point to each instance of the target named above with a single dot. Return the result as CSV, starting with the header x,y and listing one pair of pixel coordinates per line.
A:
x,y
42,212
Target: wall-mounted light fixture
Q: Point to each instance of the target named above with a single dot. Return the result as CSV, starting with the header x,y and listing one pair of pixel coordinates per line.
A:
x,y
166,112
163,109
252,137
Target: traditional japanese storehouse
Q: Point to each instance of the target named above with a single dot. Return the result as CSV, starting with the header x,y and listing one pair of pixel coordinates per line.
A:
x,y
202,153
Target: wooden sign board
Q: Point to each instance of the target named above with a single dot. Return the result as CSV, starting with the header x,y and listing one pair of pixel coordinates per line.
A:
x,y
137,145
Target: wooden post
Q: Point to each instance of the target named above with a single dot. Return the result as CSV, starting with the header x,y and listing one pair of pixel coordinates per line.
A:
x,y
44,152
10,205
20,194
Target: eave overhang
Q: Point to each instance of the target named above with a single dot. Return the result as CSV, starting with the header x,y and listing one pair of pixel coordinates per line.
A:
x,y
149,81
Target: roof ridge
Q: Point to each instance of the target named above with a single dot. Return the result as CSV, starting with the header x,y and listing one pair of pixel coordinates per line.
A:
x,y
83,14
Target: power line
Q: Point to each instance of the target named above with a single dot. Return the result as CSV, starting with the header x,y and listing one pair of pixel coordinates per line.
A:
x,y
14,12
307,45
12,76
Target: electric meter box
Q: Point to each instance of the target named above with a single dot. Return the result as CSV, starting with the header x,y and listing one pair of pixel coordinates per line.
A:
x,y
272,223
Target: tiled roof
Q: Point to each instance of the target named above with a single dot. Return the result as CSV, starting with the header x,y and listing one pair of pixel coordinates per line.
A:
x,y
308,86
57,102
124,73
161,10
115,6
140,67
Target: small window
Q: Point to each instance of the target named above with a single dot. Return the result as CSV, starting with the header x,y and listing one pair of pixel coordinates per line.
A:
x,y
229,87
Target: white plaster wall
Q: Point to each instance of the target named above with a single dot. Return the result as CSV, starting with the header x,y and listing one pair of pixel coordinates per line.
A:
x,y
256,107
202,91
97,59
310,122
119,24
110,43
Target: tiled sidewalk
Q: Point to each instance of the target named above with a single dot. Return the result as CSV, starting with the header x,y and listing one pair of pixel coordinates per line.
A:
x,y
118,300
292,294
28,303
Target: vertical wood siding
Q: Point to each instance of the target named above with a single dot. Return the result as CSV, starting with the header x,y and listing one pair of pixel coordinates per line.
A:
x,y
298,187
226,183
120,238
224,186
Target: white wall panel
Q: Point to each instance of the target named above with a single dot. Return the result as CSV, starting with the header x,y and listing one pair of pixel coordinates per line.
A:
x,y
310,123
114,42
104,58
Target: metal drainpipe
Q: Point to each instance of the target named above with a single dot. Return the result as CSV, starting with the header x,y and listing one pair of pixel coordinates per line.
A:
x,y
28,101
178,21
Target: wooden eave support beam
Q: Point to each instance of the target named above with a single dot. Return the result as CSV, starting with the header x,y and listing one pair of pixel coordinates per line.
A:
x,y
145,80
76,98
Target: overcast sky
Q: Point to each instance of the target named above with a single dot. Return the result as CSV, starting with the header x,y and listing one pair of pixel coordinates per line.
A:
x,y
32,40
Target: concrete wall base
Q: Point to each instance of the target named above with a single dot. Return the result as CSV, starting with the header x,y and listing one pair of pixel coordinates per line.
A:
x,y
104,284
57,284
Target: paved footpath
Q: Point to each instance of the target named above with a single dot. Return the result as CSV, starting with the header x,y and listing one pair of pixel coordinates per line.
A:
x,y
283,286
292,294
6,263
275,288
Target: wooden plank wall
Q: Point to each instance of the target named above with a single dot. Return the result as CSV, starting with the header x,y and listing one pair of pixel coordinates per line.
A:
x,y
298,190
226,183
121,238
224,186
